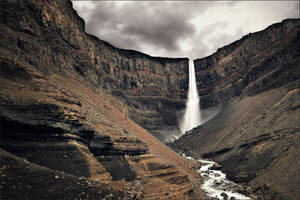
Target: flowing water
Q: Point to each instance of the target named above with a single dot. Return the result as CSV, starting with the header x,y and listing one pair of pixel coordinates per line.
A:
x,y
191,117
215,183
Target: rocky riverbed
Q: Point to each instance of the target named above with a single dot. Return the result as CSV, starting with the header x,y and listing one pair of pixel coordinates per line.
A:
x,y
215,183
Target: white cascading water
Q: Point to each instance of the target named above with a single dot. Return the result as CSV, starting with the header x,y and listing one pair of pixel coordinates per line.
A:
x,y
191,117
215,183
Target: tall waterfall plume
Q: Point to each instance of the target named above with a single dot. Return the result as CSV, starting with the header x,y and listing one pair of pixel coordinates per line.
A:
x,y
191,117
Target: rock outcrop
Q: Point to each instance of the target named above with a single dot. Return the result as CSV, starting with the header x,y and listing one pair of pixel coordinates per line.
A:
x,y
255,137
67,99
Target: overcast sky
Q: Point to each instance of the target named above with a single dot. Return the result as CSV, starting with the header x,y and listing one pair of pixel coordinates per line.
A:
x,y
191,29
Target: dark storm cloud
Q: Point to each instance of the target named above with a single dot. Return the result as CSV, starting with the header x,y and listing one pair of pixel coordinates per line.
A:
x,y
160,25
180,28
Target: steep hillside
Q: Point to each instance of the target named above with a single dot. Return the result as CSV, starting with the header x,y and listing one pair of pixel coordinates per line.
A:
x,y
63,133
52,38
256,135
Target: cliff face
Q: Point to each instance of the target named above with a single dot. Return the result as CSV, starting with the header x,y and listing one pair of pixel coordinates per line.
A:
x,y
62,132
68,100
55,42
153,87
251,65
255,137
154,90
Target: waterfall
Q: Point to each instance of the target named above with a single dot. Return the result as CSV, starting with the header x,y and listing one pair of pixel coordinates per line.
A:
x,y
191,117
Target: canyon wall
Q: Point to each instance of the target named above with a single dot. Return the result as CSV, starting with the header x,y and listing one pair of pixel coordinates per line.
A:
x,y
257,62
255,137
154,88
67,99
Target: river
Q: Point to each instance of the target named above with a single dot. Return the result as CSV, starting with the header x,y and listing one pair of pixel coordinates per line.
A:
x,y
215,183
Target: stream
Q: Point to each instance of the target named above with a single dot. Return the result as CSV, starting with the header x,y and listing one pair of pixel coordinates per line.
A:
x,y
215,183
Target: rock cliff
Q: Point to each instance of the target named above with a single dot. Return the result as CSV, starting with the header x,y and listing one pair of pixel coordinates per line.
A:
x,y
255,137
154,88
67,99
257,62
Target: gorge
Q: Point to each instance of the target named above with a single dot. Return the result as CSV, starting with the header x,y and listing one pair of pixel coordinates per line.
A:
x,y
82,119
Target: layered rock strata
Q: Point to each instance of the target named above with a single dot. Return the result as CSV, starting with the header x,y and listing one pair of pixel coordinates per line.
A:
x,y
255,137
63,135
257,62
64,130
51,37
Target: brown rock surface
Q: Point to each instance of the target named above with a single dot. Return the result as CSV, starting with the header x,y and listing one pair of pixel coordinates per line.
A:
x,y
257,62
51,37
63,133
255,137
70,103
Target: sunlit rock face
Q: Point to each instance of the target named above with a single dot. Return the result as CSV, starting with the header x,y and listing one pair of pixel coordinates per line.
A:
x,y
255,136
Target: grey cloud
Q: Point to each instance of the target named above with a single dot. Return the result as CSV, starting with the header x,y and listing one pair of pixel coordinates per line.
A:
x,y
158,24
200,49
219,41
162,31
211,29
166,28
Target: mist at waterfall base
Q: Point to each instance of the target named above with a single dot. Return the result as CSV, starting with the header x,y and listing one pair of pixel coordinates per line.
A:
x,y
191,117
